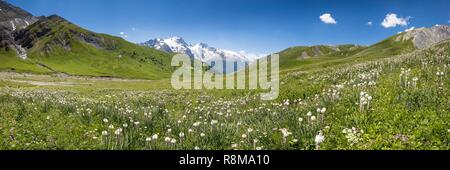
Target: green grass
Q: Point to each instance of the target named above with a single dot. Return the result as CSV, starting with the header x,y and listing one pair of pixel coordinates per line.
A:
x,y
289,58
10,61
59,45
399,116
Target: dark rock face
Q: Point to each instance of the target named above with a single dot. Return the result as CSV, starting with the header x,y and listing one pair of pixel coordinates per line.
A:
x,y
12,20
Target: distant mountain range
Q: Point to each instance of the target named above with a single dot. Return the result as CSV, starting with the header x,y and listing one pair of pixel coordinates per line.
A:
x,y
201,52
53,45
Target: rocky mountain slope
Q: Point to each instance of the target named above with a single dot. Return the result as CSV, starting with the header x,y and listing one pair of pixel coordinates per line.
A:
x,y
13,19
55,45
425,37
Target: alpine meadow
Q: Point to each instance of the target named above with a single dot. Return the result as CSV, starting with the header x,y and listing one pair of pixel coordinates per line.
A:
x,y
65,87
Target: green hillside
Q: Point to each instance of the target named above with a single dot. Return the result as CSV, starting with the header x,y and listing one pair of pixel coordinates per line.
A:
x,y
56,45
317,57
303,55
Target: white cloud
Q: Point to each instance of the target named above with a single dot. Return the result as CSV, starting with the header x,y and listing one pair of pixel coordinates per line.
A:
x,y
369,23
123,35
392,20
327,19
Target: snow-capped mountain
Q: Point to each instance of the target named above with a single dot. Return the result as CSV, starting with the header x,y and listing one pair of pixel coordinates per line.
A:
x,y
171,45
200,51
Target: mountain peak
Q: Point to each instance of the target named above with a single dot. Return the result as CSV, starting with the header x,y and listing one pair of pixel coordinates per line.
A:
x,y
55,17
9,12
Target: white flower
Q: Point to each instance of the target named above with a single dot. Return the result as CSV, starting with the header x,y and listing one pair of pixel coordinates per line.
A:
x,y
173,141
244,136
285,132
249,130
105,120
214,122
202,134
319,138
196,124
190,130
309,114
234,145
196,148
313,118
111,127
48,117
259,148
125,125
148,139
169,130
118,131
104,133
181,134
255,140
323,110
155,137
167,139
136,123
300,119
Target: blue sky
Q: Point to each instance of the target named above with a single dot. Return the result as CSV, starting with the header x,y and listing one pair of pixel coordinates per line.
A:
x,y
255,26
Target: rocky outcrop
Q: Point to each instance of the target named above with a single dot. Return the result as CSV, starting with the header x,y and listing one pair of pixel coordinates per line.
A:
x,y
12,20
425,37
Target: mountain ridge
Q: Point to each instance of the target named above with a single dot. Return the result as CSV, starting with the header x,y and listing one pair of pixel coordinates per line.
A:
x,y
201,51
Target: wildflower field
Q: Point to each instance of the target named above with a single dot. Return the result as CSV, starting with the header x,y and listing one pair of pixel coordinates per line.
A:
x,y
395,102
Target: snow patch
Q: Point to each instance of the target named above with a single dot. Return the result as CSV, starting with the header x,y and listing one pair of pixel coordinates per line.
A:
x,y
22,52
13,26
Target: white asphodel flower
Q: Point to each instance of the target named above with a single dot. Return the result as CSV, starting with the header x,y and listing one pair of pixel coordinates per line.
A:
x,y
181,134
118,131
323,110
285,132
155,137
319,138
104,133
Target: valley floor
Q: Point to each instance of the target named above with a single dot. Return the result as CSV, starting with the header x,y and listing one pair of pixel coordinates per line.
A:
x,y
399,102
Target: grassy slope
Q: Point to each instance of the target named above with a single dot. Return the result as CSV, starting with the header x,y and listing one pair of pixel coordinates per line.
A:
x,y
10,61
62,50
385,48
